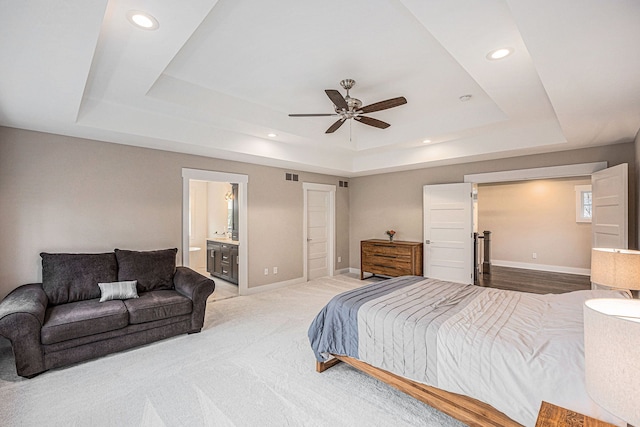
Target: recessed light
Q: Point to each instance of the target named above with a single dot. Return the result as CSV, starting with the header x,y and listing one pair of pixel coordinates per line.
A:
x,y
271,135
465,98
500,53
142,20
426,141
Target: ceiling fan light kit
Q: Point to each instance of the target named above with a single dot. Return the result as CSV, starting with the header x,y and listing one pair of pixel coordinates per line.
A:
x,y
347,108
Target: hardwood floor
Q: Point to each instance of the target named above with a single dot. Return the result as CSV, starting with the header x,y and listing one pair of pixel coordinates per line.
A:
x,y
534,281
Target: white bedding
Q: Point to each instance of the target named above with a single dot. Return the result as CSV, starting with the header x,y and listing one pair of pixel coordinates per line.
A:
x,y
509,349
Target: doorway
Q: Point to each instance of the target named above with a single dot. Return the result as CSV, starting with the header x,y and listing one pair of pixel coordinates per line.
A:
x,y
534,224
318,230
190,200
614,179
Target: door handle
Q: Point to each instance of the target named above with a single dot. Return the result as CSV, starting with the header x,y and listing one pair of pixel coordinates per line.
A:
x,y
308,240
428,242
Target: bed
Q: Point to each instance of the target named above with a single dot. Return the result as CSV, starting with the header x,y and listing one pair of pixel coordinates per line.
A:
x,y
484,356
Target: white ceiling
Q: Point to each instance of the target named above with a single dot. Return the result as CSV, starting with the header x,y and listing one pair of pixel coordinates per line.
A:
x,y
218,76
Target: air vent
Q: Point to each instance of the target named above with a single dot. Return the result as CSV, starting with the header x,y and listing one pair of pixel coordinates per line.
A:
x,y
343,184
291,176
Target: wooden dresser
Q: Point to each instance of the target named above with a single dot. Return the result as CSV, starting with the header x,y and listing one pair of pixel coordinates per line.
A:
x,y
390,258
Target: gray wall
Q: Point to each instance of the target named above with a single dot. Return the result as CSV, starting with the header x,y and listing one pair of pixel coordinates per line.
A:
x,y
68,194
63,194
394,200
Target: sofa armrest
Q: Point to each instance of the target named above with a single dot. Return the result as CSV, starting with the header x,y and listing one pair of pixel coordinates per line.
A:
x,y
196,287
21,317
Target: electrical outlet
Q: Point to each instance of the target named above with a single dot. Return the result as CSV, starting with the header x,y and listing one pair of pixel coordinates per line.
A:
x,y
339,259
275,270
534,255
266,271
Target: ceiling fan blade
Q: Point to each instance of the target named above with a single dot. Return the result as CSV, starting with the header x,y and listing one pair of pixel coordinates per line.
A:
x,y
334,127
313,115
383,105
373,122
337,99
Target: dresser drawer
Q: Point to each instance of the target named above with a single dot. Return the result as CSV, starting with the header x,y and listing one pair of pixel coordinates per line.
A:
x,y
389,260
388,270
388,250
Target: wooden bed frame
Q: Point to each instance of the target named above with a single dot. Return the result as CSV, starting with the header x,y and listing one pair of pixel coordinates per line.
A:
x,y
466,409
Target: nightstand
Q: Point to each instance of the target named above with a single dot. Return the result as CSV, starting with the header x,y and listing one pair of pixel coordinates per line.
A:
x,y
555,416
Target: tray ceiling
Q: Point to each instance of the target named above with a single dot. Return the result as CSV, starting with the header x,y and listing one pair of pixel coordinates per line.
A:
x,y
217,77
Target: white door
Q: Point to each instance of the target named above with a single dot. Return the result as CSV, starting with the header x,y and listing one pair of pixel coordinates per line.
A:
x,y
610,215
319,200
448,232
198,226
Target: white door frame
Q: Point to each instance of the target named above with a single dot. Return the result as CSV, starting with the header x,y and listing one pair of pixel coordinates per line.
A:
x,y
213,176
564,171
331,189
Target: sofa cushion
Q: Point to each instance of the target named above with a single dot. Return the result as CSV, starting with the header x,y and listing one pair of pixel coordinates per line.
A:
x,y
82,318
75,277
157,305
153,270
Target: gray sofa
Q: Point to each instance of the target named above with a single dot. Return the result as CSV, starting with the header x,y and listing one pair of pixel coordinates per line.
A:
x,y
63,321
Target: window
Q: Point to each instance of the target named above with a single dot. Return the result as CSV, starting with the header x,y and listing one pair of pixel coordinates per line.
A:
x,y
583,203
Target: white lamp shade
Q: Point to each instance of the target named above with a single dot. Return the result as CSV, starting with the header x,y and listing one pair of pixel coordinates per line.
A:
x,y
616,268
612,356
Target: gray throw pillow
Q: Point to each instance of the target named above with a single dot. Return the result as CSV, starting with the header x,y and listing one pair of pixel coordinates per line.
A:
x,y
118,290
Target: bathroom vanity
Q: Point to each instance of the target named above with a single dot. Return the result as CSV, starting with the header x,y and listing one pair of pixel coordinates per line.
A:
x,y
222,259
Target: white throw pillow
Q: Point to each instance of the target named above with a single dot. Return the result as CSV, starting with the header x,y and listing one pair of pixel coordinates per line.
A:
x,y
118,290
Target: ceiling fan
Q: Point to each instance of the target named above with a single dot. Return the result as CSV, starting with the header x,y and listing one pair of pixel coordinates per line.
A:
x,y
351,108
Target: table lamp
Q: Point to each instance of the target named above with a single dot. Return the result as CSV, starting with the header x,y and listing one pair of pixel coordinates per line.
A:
x,y
612,355
616,268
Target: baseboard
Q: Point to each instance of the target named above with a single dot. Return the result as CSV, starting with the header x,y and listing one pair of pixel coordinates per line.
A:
x,y
278,285
542,267
272,286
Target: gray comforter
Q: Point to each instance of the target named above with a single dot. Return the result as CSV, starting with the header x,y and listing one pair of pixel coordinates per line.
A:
x,y
335,328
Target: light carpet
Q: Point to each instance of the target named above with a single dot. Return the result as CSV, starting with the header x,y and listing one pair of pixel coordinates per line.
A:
x,y
223,290
250,366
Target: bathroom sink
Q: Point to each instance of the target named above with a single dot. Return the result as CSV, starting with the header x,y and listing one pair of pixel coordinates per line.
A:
x,y
223,240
